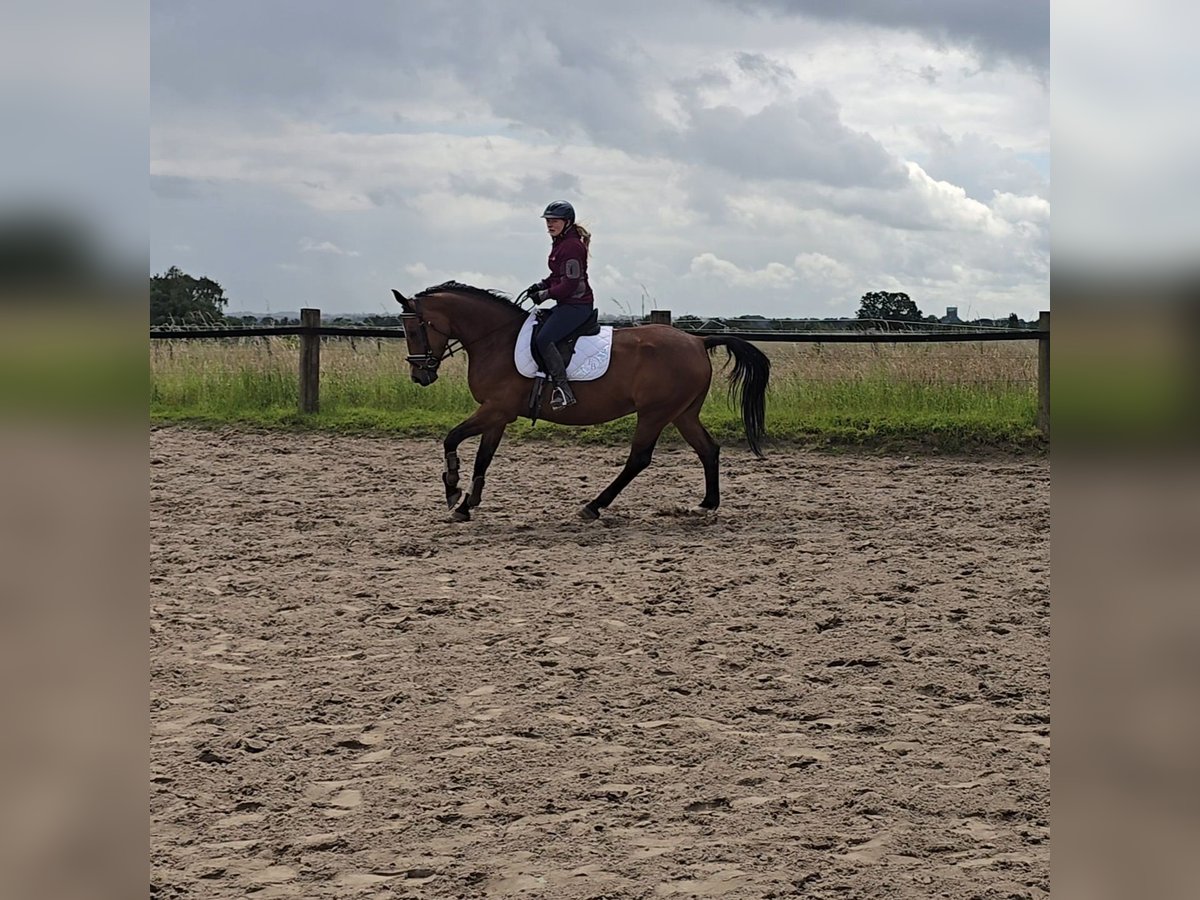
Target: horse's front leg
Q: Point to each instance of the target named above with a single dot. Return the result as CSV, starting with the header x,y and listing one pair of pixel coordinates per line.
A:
x,y
484,421
487,449
459,433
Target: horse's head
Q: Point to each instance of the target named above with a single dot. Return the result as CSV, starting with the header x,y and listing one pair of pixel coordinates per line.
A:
x,y
427,337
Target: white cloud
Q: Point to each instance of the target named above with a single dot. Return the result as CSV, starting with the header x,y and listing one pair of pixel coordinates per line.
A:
x,y
607,279
822,268
423,276
947,206
770,277
922,203
1014,208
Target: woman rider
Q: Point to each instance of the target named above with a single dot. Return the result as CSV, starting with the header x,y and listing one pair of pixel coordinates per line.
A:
x,y
568,285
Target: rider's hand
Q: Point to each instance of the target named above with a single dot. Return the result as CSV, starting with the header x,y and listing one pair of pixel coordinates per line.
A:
x,y
535,292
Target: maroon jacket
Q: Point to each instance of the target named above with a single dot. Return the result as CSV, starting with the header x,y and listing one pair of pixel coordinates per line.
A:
x,y
568,281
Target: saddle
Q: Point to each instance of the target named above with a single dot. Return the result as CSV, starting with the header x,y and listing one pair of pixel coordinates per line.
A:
x,y
566,347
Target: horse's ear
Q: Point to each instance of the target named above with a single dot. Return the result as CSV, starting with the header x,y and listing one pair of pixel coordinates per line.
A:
x,y
400,298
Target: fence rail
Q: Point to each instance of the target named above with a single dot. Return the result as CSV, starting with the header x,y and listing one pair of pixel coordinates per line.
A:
x,y
310,332
276,331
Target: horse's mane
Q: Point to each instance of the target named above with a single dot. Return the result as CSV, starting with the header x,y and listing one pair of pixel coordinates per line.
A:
x,y
483,293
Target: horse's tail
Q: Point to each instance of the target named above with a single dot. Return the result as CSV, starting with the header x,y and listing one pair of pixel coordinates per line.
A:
x,y
751,370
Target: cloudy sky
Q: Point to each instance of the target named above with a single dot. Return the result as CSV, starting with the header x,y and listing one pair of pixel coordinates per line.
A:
x,y
742,156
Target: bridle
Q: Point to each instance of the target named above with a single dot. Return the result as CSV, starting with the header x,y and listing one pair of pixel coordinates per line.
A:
x,y
426,358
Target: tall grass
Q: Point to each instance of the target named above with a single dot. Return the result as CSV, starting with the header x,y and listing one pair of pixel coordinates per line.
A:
x,y
946,395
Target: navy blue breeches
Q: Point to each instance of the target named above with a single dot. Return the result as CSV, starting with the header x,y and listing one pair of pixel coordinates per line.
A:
x,y
563,320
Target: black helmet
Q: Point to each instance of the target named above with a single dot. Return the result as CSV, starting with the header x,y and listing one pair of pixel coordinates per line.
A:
x,y
560,209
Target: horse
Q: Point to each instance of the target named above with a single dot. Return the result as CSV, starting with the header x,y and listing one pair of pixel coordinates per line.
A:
x,y
656,371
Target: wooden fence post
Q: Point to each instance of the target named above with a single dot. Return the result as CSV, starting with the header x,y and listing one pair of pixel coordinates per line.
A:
x,y
1043,415
310,362
660,317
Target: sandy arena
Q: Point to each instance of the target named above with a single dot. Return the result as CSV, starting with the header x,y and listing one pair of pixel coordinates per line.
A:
x,y
835,687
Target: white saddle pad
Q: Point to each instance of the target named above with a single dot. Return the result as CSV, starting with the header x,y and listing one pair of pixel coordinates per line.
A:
x,y
592,354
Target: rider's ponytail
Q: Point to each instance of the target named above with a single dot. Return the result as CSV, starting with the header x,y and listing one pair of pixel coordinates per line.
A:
x,y
584,235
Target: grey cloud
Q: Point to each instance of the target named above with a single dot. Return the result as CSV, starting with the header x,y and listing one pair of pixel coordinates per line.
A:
x,y
708,194
295,54
980,166
1017,31
899,211
543,71
535,190
762,66
389,196
597,84
546,74
802,139
563,182
688,90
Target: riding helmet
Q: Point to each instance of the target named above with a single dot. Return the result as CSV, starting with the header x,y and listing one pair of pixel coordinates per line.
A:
x,y
560,209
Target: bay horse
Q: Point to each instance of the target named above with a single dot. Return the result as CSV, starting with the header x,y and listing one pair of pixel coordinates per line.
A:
x,y
656,371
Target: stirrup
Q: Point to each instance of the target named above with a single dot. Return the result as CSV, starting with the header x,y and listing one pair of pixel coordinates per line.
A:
x,y
561,398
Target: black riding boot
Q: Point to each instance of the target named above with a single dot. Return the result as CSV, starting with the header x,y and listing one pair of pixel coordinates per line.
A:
x,y
562,396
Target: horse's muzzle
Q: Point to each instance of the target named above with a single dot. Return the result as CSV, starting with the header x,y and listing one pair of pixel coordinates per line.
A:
x,y
424,377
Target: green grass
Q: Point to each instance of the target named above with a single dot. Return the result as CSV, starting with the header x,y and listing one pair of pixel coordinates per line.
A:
x,y
865,401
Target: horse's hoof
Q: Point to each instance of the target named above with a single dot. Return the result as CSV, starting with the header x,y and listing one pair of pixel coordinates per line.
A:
x,y
709,507
460,515
588,513
452,499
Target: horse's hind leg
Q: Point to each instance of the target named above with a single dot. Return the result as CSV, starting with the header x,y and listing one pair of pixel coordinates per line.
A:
x,y
641,451
707,449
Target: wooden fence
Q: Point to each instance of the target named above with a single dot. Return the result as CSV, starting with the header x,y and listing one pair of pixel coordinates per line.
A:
x,y
310,331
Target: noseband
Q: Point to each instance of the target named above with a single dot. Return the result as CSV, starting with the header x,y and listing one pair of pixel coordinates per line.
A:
x,y
426,358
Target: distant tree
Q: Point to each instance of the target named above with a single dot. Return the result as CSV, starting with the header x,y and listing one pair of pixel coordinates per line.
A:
x,y
1014,320
181,298
896,307
382,321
